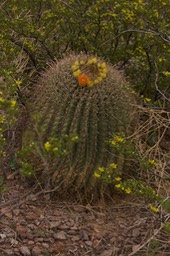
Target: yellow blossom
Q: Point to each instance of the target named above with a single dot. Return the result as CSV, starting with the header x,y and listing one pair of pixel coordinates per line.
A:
x,y
77,73
154,209
90,83
113,142
113,165
97,175
74,67
2,119
2,100
17,81
118,138
94,60
118,185
103,74
47,146
147,100
103,65
118,178
55,149
82,62
101,169
166,73
13,103
153,162
128,190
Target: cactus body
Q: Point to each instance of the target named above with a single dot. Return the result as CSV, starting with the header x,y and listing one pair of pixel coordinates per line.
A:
x,y
80,95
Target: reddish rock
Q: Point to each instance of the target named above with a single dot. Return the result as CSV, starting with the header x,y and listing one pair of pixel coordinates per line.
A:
x,y
60,235
21,231
36,251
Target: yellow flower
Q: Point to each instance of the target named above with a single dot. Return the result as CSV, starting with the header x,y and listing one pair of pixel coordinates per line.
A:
x,y
55,149
17,81
47,146
82,62
97,175
101,169
166,73
128,190
103,74
113,142
118,185
90,83
153,162
103,65
2,119
74,67
2,100
77,73
113,165
118,138
94,60
118,178
13,103
147,100
153,208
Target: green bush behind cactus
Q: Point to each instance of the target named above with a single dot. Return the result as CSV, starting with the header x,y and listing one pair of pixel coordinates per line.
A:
x,y
93,111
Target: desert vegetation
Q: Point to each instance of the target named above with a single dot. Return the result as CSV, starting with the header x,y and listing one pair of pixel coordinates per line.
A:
x,y
85,97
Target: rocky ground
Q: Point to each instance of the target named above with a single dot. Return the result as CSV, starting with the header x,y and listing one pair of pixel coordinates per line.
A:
x,y
33,224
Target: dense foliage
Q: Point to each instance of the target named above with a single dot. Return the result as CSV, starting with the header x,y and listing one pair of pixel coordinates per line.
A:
x,y
131,34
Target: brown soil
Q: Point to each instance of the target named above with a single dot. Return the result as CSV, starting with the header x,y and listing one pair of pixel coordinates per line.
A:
x,y
33,224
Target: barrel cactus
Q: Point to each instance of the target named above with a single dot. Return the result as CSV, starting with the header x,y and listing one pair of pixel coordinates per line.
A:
x,y
84,96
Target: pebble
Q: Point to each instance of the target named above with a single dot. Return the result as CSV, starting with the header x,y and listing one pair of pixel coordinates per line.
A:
x,y
60,235
36,251
24,250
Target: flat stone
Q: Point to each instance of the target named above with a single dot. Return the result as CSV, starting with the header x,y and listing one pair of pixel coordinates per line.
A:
x,y
60,235
24,250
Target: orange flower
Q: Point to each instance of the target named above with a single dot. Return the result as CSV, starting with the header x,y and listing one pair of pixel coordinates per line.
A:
x,y
83,79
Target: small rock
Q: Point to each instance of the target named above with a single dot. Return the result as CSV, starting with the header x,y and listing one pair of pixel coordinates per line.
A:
x,y
2,236
38,239
16,212
72,232
88,243
25,251
60,235
75,238
31,242
29,236
84,235
36,251
63,227
45,245
74,228
54,224
21,230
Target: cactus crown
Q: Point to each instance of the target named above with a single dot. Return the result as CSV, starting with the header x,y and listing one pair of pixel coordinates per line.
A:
x,y
89,71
